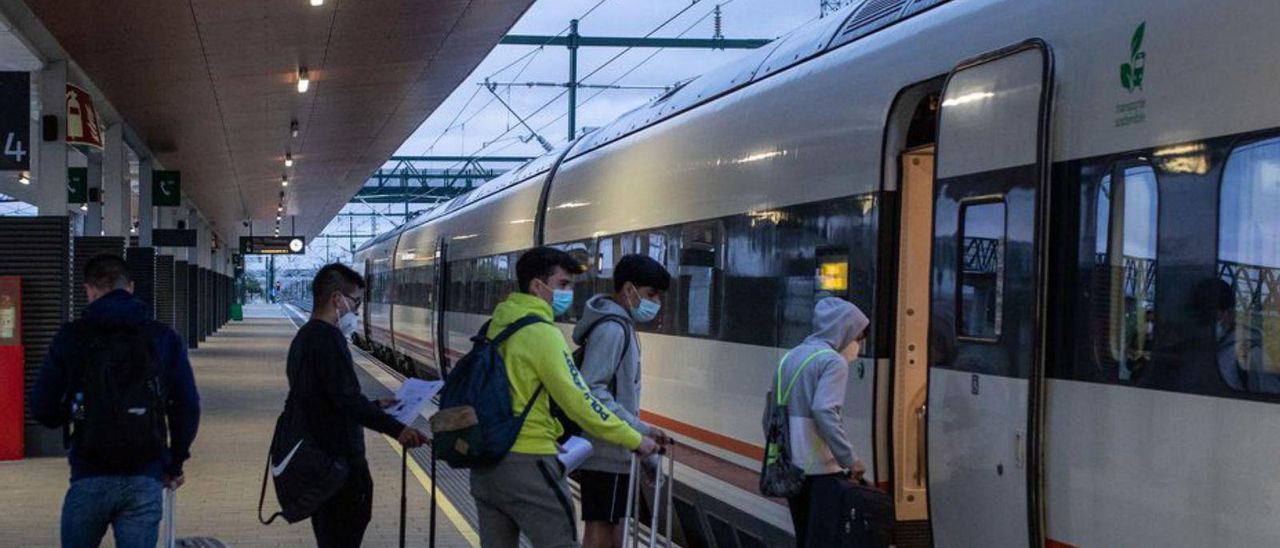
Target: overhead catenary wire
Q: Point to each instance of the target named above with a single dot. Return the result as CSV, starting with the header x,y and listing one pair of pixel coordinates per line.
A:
x,y
528,57
558,96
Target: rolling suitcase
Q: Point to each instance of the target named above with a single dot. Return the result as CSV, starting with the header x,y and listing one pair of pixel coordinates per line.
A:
x,y
665,476
850,514
168,536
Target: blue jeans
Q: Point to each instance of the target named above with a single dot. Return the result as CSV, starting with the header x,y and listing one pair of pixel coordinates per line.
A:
x,y
131,505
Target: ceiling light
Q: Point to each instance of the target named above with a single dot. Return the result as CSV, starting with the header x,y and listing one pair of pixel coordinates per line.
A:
x,y
317,3
280,209
288,159
277,218
84,207
284,180
25,178
293,128
304,80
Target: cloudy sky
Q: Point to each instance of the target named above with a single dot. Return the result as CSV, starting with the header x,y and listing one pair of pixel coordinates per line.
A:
x,y
473,118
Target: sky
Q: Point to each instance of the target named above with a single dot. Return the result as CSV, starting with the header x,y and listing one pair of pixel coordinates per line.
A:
x,y
472,122
486,119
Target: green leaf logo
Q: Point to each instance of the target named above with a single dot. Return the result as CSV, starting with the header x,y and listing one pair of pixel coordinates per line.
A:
x,y
1131,73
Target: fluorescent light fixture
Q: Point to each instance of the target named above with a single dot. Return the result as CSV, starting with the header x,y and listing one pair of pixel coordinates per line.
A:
x,y
25,178
284,180
280,209
288,159
84,207
317,3
293,128
304,80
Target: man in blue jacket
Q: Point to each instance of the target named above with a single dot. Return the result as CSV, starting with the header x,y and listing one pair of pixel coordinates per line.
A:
x,y
120,382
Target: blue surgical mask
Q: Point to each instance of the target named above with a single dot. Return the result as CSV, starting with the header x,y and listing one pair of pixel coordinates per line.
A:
x,y
646,310
561,301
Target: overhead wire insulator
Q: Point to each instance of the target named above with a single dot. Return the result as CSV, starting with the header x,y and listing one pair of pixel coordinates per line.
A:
x,y
719,24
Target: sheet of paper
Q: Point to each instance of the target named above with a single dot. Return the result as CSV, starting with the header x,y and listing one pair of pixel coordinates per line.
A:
x,y
576,451
414,395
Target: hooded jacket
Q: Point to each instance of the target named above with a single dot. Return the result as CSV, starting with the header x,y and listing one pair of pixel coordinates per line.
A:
x,y
819,444
538,356
61,370
611,367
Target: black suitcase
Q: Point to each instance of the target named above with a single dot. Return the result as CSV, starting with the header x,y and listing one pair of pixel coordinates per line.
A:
x,y
844,513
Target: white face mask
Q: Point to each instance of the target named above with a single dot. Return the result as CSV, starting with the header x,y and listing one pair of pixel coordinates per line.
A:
x,y
347,321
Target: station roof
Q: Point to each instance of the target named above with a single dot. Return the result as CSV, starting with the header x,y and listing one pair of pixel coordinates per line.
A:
x,y
210,85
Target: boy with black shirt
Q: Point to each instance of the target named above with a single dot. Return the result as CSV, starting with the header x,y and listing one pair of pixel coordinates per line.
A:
x,y
322,380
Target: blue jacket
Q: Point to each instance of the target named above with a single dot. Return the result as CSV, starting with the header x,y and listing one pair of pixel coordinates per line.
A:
x,y
50,394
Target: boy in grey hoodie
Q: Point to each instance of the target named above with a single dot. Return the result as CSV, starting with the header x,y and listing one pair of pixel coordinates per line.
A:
x,y
820,369
611,367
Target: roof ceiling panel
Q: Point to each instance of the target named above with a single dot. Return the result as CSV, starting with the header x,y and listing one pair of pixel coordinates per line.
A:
x,y
210,85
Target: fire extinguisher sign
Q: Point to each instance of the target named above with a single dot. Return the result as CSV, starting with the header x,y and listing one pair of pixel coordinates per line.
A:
x,y
15,121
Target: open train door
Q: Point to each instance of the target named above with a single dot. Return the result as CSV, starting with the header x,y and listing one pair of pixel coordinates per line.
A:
x,y
986,309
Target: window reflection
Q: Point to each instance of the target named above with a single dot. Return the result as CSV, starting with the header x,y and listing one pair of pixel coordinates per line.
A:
x,y
1247,319
982,269
1125,269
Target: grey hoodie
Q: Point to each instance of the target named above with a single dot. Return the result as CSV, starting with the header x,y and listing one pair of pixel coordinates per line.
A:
x,y
603,362
819,443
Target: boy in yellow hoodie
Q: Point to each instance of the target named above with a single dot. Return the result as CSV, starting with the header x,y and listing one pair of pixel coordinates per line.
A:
x,y
526,492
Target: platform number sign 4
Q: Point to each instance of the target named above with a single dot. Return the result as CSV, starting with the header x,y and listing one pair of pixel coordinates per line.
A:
x,y
15,121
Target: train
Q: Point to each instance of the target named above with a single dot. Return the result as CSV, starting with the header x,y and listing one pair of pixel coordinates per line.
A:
x,y
1061,217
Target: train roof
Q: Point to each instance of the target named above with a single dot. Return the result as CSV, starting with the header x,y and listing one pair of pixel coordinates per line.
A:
x,y
851,23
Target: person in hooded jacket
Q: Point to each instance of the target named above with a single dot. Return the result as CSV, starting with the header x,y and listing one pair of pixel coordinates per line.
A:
x,y
611,367
820,369
102,494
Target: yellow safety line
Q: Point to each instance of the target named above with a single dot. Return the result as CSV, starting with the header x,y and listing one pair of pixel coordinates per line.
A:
x,y
450,511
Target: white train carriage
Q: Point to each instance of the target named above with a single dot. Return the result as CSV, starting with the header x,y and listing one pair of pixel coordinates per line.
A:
x,y
1060,215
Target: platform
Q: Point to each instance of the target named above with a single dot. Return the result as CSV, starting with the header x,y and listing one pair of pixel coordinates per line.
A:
x,y
240,375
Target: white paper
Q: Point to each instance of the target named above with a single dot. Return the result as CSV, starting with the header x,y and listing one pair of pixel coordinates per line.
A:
x,y
414,395
576,451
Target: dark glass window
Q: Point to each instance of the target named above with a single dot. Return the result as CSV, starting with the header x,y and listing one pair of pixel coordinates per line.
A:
x,y
1247,315
1124,281
701,256
982,244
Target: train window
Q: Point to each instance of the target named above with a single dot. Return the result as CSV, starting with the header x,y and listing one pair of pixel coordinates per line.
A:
x,y
700,271
582,286
1246,319
982,269
1124,281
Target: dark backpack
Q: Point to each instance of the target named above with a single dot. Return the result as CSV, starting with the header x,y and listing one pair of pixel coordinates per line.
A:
x,y
779,476
305,477
579,355
118,405
475,426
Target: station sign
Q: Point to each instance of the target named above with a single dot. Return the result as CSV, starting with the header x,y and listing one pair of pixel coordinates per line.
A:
x,y
77,185
273,245
83,125
166,188
173,237
15,121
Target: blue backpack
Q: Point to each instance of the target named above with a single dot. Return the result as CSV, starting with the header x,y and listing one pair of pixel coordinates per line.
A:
x,y
475,426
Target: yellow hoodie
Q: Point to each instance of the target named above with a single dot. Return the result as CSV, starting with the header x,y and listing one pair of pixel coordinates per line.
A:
x,y
538,355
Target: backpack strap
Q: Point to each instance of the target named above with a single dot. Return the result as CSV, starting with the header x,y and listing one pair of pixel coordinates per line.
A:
x,y
515,326
784,396
507,333
626,345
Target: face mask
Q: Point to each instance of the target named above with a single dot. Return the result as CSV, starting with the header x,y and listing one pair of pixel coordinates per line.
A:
x,y
646,310
347,321
561,300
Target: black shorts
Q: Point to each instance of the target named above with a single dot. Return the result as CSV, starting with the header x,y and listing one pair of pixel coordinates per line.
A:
x,y
604,495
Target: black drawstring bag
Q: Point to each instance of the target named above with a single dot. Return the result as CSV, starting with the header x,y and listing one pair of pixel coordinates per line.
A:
x,y
304,475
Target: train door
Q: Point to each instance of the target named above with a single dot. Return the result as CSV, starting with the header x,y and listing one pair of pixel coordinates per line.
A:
x,y
364,310
985,362
441,300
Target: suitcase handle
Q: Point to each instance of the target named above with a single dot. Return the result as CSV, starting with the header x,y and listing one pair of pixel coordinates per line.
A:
x,y
665,474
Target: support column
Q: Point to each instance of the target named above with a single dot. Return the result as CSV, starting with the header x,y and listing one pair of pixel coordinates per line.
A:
x,y
145,210
116,194
51,170
93,217
202,244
